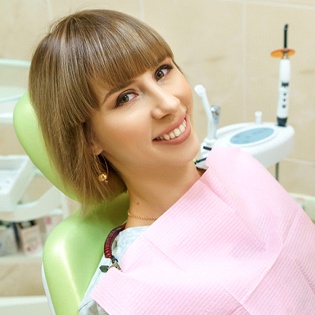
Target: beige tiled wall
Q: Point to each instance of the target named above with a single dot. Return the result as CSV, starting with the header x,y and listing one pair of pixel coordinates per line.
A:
x,y
224,45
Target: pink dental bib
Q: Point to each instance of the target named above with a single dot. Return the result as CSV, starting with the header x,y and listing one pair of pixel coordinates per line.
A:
x,y
235,243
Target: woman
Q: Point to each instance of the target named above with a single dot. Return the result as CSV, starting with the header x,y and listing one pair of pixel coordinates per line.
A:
x,y
116,114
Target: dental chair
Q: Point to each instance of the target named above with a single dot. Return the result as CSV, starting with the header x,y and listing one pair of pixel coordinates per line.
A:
x,y
74,248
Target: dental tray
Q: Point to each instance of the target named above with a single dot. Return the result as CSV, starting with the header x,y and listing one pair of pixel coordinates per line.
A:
x,y
267,142
16,173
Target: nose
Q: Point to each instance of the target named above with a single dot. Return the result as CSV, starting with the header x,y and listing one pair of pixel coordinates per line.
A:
x,y
163,102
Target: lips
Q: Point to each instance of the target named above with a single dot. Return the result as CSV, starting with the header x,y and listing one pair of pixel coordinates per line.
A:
x,y
175,133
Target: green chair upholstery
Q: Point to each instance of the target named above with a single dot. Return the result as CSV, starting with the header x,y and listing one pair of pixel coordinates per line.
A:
x,y
74,248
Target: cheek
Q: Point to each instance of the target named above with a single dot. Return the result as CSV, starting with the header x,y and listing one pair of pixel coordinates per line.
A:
x,y
186,94
189,96
119,131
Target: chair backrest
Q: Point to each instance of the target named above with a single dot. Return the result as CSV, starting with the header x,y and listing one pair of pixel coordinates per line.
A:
x,y
74,248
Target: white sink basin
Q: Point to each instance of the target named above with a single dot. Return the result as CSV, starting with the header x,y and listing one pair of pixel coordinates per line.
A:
x,y
267,142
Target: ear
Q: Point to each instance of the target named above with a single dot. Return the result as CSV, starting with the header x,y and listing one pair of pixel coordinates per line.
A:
x,y
96,148
93,144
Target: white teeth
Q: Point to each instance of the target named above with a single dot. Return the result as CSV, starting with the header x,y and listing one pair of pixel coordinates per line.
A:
x,y
172,135
175,133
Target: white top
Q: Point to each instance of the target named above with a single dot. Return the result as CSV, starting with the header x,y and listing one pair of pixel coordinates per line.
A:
x,y
122,242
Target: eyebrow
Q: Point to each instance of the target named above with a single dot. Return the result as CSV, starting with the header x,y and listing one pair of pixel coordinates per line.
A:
x,y
122,86
116,89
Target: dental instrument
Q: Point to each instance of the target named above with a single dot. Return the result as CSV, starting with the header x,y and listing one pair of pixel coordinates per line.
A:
x,y
213,116
284,79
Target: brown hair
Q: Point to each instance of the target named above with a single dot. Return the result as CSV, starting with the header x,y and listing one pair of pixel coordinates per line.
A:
x,y
81,49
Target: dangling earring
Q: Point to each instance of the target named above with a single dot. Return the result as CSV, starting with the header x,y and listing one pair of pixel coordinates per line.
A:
x,y
103,177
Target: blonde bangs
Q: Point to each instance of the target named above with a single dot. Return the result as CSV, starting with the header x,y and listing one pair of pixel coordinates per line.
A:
x,y
109,50
122,60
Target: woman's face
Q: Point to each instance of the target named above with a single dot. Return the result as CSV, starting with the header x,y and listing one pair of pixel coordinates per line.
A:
x,y
146,125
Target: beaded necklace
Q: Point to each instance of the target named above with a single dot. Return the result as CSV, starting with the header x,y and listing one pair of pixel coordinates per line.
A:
x,y
108,248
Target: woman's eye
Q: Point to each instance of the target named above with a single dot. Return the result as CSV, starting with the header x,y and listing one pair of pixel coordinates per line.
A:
x,y
125,98
162,71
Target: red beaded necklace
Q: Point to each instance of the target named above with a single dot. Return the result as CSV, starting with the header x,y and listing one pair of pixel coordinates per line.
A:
x,y
108,248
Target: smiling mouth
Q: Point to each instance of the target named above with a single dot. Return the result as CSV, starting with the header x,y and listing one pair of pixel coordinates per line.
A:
x,y
174,133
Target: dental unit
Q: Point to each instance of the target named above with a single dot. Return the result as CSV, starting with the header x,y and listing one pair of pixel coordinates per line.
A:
x,y
268,142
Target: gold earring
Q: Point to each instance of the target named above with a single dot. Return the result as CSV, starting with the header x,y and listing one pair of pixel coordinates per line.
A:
x,y
103,177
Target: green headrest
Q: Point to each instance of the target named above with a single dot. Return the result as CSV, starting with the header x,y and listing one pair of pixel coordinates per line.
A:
x,y
28,132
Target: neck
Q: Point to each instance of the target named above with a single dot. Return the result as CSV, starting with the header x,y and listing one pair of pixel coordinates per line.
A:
x,y
153,194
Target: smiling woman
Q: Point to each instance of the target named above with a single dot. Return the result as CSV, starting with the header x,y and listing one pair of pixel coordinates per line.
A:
x,y
116,114
80,54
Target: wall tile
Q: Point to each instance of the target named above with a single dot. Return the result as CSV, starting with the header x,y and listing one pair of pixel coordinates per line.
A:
x,y
60,8
21,25
287,3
